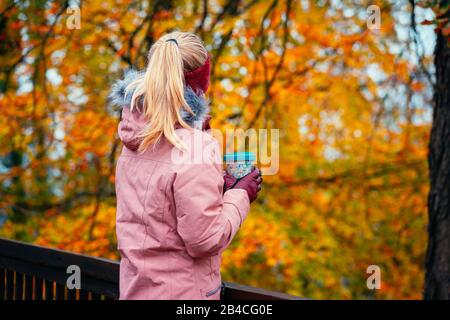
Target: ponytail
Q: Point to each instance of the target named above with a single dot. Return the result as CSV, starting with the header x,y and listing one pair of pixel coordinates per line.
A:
x,y
161,89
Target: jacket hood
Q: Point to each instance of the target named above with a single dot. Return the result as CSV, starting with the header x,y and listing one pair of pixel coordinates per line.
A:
x,y
133,121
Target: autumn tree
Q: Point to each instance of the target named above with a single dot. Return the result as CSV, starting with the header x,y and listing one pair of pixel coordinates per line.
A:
x,y
352,106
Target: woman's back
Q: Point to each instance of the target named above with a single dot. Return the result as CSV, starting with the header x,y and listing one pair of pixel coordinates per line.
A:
x,y
151,219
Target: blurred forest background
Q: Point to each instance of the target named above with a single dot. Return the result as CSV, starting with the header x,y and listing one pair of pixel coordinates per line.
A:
x,y
353,105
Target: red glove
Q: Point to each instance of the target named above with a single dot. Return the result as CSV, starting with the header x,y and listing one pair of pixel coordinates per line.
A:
x,y
250,183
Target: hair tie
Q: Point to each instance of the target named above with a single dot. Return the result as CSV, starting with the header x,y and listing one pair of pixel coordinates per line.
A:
x,y
175,41
198,79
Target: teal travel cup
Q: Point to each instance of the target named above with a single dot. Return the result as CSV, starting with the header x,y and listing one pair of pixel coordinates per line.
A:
x,y
239,164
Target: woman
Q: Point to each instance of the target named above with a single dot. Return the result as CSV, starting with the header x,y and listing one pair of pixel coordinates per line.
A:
x,y
173,217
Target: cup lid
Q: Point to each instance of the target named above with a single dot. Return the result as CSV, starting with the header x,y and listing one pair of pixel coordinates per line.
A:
x,y
239,156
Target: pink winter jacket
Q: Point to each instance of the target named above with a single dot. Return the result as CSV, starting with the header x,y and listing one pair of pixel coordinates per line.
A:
x,y
173,220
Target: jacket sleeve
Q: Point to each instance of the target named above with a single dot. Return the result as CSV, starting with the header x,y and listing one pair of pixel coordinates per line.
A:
x,y
207,219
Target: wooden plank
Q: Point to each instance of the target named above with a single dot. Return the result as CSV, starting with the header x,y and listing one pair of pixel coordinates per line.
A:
x,y
38,288
60,276
60,292
233,291
95,296
84,295
49,292
99,277
9,284
99,268
71,294
2,284
29,287
19,286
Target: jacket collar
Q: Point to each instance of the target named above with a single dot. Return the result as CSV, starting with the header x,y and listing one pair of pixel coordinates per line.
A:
x,y
196,102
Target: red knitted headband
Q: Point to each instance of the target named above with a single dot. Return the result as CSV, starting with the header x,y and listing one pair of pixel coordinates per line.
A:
x,y
198,79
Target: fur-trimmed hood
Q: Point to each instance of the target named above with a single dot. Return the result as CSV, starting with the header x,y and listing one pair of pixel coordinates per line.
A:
x,y
198,104
133,121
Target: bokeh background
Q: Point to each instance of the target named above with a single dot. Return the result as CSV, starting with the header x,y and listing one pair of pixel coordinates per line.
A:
x,y
353,106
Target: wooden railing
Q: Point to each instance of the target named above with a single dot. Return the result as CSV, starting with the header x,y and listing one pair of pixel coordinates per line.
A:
x,y
30,272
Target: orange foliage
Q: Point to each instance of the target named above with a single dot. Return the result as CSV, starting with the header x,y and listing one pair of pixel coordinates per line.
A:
x,y
354,117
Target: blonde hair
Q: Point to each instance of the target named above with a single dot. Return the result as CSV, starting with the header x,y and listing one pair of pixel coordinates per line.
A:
x,y
161,87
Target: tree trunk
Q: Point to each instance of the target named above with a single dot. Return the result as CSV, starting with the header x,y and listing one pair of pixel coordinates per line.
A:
x,y
437,275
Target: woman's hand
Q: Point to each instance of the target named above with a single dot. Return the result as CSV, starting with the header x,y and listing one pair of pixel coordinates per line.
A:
x,y
250,183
